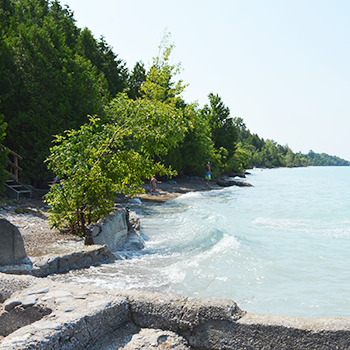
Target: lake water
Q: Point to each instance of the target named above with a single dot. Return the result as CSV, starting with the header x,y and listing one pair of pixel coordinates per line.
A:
x,y
280,247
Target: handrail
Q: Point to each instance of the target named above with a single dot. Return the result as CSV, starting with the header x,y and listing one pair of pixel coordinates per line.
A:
x,y
13,166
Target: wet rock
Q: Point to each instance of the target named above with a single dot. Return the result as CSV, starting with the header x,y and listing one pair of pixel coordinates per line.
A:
x,y
228,183
111,230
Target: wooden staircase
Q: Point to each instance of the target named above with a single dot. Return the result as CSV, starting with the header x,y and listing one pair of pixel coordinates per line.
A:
x,y
16,190
13,188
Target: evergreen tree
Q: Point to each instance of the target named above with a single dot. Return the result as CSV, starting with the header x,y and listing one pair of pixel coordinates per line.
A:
x,y
135,80
48,82
223,130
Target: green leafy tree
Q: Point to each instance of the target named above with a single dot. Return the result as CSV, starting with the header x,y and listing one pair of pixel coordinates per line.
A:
x,y
197,148
115,155
99,160
239,162
321,159
159,84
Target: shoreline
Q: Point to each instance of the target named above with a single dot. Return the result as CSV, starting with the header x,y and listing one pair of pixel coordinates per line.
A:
x,y
31,217
167,191
48,314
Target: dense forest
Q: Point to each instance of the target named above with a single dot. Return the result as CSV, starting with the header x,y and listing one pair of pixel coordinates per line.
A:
x,y
54,76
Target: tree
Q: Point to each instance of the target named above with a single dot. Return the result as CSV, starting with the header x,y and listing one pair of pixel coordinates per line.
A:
x,y
223,130
159,85
52,75
113,155
101,159
135,80
239,162
197,147
104,59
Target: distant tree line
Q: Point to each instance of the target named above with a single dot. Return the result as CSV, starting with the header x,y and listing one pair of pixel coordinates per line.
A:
x,y
54,76
323,159
257,152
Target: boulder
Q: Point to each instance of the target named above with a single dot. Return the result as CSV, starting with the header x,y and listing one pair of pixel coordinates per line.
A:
x,y
237,174
112,230
227,183
12,251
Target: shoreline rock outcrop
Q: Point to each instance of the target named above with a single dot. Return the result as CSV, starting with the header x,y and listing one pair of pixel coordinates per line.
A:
x,y
228,183
119,230
39,313
51,315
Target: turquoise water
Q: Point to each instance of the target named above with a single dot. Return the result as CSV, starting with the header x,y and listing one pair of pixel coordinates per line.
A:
x,y
280,247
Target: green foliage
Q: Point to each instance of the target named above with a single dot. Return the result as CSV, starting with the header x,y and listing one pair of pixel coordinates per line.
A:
x,y
104,59
270,154
99,160
223,129
52,76
196,148
322,159
223,133
158,84
135,80
239,162
112,156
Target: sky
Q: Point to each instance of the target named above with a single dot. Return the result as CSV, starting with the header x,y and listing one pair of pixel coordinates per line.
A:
x,y
281,65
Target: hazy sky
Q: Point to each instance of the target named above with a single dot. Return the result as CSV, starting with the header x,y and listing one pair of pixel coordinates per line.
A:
x,y
283,65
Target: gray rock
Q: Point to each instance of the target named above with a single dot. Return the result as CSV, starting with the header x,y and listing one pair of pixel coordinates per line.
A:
x,y
10,304
106,319
9,285
41,325
95,231
156,339
29,301
19,317
228,183
111,230
38,291
172,182
12,249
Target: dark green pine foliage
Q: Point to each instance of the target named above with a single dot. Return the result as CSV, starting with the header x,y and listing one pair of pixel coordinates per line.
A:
x,y
135,80
106,61
223,130
48,82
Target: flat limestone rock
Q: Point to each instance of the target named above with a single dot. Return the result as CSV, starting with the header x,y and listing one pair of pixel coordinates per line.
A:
x,y
131,337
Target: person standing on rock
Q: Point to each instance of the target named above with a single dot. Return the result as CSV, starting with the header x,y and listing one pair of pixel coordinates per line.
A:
x,y
154,182
207,173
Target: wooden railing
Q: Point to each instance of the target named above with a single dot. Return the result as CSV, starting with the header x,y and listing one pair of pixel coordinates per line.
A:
x,y
12,162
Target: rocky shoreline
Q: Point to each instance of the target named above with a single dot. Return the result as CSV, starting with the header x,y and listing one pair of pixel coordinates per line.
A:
x,y
39,313
51,315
